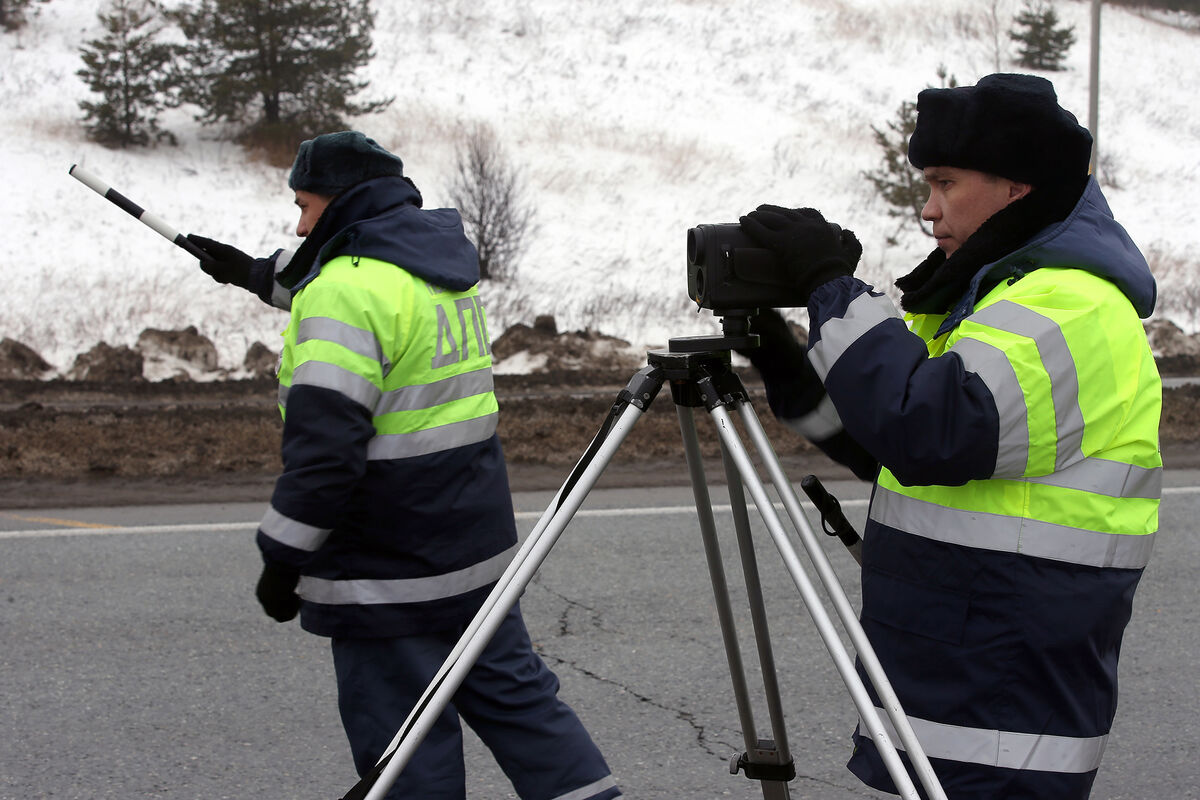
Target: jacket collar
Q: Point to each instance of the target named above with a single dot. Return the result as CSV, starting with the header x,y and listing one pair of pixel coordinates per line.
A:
x,y
335,230
1068,226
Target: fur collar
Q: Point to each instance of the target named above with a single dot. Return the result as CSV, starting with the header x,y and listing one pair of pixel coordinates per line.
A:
x,y
939,283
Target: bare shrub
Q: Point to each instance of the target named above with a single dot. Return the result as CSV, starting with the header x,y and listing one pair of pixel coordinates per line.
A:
x,y
457,17
505,304
489,192
677,160
1107,171
1178,286
995,32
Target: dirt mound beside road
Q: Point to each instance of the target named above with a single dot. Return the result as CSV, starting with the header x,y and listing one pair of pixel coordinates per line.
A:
x,y
82,443
70,443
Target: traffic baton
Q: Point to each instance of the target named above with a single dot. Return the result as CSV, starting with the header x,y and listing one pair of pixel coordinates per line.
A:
x,y
122,202
833,521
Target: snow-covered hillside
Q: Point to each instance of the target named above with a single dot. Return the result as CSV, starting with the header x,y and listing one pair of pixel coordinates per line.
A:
x,y
632,121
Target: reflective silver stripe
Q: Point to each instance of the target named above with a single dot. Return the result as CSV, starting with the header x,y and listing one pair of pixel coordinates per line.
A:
x,y
820,423
356,340
998,532
405,590
283,394
432,440
592,789
281,297
1058,363
408,398
292,533
1111,478
838,333
1005,749
339,379
996,371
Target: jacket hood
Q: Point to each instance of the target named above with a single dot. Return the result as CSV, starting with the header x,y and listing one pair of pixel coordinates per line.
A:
x,y
1091,239
383,219
1088,239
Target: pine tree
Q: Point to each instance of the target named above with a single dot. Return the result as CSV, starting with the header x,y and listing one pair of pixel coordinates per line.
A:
x,y
900,185
12,14
1044,45
130,71
277,67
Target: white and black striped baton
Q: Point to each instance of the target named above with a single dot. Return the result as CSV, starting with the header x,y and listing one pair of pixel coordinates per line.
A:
x,y
121,201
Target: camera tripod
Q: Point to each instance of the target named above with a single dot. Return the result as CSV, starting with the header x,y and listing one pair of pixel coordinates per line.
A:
x,y
699,373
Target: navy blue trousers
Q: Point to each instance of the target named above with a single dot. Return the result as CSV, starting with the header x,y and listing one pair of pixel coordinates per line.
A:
x,y
509,699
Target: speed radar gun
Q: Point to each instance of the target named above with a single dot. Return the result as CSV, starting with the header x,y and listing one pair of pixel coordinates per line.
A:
x,y
728,275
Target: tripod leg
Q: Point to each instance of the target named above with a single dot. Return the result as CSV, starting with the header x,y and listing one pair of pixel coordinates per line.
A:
x,y
716,574
758,609
508,589
816,610
862,645
762,756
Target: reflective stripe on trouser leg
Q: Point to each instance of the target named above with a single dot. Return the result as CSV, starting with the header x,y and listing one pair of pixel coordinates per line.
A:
x,y
1006,749
510,700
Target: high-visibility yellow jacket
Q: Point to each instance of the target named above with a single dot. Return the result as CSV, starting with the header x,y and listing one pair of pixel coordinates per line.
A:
x,y
393,502
1016,502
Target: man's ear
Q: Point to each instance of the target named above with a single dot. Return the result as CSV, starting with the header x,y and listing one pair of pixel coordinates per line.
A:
x,y
1018,190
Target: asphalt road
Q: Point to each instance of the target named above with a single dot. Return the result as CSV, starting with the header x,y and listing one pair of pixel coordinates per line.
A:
x,y
136,663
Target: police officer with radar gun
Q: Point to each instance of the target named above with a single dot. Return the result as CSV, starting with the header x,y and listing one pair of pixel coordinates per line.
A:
x,y
392,518
1009,420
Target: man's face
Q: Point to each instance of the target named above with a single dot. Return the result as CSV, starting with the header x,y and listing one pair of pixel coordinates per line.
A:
x,y
311,207
960,200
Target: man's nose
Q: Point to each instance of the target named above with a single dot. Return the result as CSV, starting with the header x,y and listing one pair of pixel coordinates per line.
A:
x,y
929,212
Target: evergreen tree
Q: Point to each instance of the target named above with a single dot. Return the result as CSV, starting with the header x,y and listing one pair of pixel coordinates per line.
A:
x,y
1044,45
12,14
900,185
130,71
277,66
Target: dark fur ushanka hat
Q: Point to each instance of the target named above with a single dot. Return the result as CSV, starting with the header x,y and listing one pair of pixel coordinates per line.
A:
x,y
1007,125
333,162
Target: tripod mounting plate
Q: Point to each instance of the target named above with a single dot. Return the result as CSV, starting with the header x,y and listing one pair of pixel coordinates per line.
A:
x,y
680,365
700,344
735,334
701,379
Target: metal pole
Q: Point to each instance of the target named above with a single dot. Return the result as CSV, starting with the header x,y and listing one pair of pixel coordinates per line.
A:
x,y
1094,90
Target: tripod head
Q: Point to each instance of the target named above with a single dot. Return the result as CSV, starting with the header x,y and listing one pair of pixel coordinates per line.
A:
x,y
735,335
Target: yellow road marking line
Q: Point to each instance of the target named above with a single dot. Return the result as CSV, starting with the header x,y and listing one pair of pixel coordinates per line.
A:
x,y
70,523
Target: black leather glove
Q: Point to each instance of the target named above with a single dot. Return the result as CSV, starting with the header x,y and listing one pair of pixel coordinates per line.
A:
x,y
228,264
276,591
812,250
793,387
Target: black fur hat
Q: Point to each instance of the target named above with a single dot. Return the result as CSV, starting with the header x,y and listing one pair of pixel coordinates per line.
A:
x,y
333,162
1007,125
